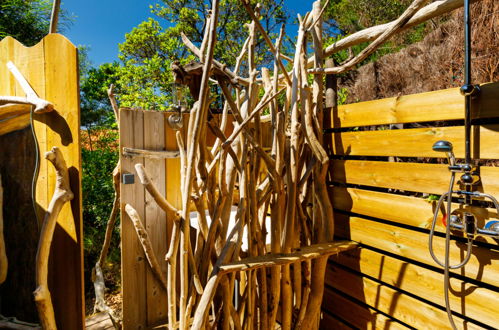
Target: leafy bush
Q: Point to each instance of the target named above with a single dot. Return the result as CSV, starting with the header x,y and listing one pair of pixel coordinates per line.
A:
x,y
99,158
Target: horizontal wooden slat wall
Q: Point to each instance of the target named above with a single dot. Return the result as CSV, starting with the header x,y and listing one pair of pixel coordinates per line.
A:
x,y
381,176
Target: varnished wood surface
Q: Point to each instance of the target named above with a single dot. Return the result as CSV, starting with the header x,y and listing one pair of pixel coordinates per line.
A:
x,y
51,68
447,104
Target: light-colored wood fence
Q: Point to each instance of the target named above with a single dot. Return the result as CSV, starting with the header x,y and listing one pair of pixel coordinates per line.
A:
x,y
392,281
144,299
51,68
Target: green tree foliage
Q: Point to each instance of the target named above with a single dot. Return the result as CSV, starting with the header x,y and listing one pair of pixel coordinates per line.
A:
x,y
28,20
150,48
350,16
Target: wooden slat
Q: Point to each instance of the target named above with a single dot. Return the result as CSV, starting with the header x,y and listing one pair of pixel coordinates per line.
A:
x,y
416,142
63,130
406,210
13,124
133,267
13,110
281,259
467,299
155,217
428,178
357,315
483,265
405,308
447,104
330,322
172,177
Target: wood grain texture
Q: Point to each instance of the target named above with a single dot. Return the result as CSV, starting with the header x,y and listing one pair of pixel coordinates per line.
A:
x,y
427,178
51,68
133,264
155,217
467,299
483,265
400,306
281,259
14,124
416,142
406,210
357,315
447,104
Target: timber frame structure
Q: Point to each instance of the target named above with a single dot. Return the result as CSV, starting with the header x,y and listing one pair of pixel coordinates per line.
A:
x,y
310,216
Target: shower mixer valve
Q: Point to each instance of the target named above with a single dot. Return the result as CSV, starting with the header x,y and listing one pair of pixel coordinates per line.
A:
x,y
465,222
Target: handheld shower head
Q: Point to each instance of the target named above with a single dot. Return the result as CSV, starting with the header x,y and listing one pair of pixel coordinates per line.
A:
x,y
445,146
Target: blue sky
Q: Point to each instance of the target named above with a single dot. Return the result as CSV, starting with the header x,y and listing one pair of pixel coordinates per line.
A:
x,y
102,25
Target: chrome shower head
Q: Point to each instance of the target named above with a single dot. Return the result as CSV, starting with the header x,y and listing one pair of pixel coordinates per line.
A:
x,y
445,146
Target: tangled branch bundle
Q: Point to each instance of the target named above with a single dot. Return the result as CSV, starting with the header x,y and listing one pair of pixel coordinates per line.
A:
x,y
264,263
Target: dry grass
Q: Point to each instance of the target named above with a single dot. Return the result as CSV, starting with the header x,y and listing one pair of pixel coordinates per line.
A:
x,y
436,62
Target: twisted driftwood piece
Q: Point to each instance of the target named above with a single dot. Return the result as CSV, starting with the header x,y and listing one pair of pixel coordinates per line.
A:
x,y
393,28
3,256
145,242
97,273
62,195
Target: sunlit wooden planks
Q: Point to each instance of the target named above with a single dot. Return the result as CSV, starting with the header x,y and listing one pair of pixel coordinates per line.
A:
x,y
155,217
13,124
467,299
416,142
400,306
355,314
428,178
51,68
13,110
133,262
405,210
483,265
447,104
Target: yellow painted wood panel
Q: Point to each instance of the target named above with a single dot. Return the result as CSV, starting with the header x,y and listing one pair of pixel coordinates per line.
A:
x,y
359,316
417,142
51,68
63,130
428,178
155,217
407,210
447,104
483,265
13,124
467,299
400,306
133,261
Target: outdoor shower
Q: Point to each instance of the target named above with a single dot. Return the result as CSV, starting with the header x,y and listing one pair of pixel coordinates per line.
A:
x,y
466,221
